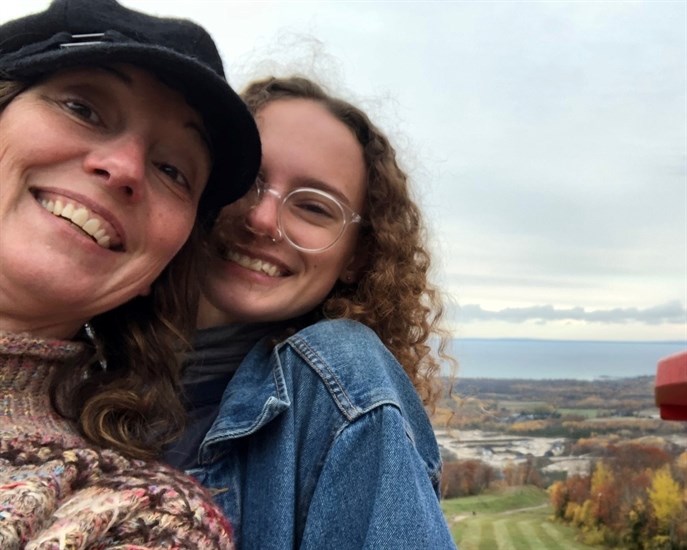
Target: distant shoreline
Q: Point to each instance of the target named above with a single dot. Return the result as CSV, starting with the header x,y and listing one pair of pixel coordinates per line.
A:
x,y
602,378
534,359
561,341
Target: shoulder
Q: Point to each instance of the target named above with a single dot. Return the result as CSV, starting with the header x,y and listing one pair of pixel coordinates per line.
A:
x,y
343,343
364,380
354,366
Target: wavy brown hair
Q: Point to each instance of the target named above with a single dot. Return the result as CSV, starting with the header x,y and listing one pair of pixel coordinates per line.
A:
x,y
393,295
133,404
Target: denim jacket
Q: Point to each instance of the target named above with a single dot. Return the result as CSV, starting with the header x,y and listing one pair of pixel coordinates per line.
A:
x,y
321,442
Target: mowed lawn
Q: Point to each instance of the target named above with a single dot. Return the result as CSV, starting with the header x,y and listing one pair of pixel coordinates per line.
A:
x,y
516,519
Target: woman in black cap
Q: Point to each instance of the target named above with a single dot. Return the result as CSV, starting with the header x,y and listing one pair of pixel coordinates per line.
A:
x,y
108,123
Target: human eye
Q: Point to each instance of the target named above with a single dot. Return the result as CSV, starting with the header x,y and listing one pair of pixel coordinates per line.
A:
x,y
315,207
174,174
82,110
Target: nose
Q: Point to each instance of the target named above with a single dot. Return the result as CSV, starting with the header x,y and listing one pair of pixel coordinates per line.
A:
x,y
262,216
121,164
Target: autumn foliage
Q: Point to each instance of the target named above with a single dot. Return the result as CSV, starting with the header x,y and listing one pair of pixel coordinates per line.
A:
x,y
465,478
471,477
635,498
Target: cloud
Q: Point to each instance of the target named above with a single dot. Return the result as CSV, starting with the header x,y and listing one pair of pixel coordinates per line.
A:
x,y
669,312
545,140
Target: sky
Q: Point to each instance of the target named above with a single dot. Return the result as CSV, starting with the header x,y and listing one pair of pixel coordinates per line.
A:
x,y
546,143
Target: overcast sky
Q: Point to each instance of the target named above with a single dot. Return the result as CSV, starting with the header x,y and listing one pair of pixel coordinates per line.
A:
x,y
547,143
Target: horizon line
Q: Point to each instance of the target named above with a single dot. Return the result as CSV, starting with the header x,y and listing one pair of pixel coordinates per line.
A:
x,y
580,341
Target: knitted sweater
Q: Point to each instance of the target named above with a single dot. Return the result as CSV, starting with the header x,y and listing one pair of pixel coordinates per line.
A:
x,y
57,491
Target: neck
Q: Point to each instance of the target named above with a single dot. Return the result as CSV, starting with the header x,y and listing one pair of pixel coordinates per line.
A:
x,y
40,326
209,316
26,311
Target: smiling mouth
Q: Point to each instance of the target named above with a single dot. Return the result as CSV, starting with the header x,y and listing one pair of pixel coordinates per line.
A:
x,y
254,264
81,217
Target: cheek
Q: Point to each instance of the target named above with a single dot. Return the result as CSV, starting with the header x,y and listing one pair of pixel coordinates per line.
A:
x,y
38,140
228,224
169,231
236,210
323,275
10,162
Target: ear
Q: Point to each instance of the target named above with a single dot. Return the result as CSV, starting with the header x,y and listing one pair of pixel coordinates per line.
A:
x,y
354,268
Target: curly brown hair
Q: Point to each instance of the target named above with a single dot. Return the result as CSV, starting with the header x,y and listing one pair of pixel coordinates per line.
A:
x,y
393,295
133,405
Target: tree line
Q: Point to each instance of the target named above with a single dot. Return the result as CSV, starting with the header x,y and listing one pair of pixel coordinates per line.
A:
x,y
635,498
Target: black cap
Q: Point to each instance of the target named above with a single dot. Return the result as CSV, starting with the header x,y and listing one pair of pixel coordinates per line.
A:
x,y
73,33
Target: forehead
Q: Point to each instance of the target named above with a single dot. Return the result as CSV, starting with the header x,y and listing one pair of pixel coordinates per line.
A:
x,y
303,140
137,79
307,119
137,87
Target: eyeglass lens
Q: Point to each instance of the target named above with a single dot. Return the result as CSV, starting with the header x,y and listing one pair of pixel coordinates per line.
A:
x,y
311,220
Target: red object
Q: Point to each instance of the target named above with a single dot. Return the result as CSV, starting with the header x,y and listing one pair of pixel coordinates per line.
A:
x,y
671,387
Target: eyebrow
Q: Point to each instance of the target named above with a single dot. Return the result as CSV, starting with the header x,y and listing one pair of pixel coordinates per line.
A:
x,y
324,186
119,74
202,133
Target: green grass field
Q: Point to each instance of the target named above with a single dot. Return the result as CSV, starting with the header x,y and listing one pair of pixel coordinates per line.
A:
x,y
516,519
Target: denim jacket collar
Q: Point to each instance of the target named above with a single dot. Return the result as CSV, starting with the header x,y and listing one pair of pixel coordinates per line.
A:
x,y
258,391
256,394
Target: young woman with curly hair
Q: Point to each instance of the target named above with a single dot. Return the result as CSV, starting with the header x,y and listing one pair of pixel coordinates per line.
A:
x,y
313,359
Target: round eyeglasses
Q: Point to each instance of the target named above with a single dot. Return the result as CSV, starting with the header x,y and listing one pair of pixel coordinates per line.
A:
x,y
311,220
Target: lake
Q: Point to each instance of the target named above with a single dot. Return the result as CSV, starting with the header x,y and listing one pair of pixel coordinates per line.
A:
x,y
542,359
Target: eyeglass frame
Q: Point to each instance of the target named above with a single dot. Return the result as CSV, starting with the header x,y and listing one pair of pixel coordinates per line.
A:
x,y
350,216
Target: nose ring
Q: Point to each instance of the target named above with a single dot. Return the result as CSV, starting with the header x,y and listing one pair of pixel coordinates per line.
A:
x,y
277,237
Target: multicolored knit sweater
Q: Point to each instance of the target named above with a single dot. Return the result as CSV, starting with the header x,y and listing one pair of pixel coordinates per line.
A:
x,y
57,491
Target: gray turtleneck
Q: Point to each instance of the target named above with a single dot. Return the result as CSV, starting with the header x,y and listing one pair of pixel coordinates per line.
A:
x,y
208,368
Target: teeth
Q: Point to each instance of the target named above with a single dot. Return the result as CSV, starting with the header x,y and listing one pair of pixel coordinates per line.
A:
x,y
68,211
81,217
91,227
254,264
